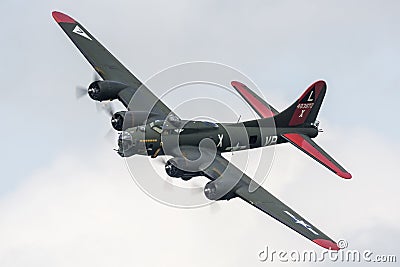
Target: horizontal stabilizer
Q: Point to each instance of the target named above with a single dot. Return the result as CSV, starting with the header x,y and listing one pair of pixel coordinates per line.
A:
x,y
263,109
308,146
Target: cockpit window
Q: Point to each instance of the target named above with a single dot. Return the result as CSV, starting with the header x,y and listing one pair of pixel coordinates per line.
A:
x,y
157,126
125,136
210,124
157,129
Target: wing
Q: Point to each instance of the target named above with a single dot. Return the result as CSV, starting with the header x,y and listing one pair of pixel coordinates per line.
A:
x,y
263,109
108,67
308,146
266,202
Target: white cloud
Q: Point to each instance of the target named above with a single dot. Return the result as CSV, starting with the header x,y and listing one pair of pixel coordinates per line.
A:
x,y
81,211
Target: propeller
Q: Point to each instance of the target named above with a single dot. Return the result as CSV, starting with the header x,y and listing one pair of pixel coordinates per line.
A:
x,y
168,181
81,91
215,207
161,160
197,184
109,109
110,136
106,107
197,187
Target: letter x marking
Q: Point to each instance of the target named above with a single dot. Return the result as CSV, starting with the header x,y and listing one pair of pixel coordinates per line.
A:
x,y
220,137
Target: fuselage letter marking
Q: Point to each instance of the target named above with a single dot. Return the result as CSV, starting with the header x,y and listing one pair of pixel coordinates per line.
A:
x,y
220,137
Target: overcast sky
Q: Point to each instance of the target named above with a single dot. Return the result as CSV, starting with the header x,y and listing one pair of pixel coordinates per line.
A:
x,y
67,199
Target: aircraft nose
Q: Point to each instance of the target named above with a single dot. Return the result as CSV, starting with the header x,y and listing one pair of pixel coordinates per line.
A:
x,y
125,141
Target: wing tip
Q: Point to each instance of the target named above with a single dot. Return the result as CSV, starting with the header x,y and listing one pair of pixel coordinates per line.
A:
x,y
344,175
61,17
328,244
236,83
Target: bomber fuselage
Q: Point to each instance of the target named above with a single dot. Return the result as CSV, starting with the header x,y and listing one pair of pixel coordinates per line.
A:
x,y
158,138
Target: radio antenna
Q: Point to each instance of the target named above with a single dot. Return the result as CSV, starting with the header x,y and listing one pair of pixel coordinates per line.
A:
x,y
239,118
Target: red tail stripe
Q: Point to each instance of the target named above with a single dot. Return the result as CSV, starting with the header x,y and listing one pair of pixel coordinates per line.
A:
x,y
263,110
300,115
302,143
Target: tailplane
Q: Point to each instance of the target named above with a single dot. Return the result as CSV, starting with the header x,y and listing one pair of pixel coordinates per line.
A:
x,y
308,146
303,112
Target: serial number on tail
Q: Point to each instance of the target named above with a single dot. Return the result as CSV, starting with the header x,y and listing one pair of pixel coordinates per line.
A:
x,y
305,105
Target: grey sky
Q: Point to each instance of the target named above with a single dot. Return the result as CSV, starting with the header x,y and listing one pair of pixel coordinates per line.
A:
x,y
67,199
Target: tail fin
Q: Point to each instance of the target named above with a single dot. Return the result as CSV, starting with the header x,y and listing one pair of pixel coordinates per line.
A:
x,y
305,109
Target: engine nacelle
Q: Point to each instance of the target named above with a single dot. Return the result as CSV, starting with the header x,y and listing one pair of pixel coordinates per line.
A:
x,y
219,190
175,168
123,120
117,120
105,90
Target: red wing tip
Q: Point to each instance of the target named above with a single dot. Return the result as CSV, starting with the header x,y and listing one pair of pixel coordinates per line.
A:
x,y
61,17
344,175
236,83
326,244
